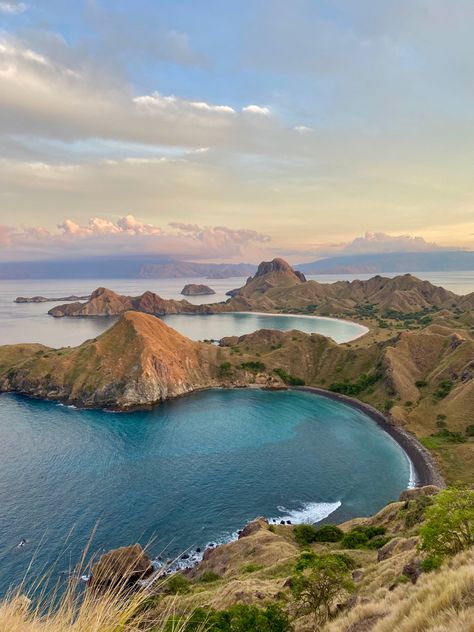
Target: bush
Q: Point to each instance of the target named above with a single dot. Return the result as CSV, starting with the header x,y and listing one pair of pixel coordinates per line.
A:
x,y
291,380
328,533
177,584
253,366
421,383
361,384
364,538
311,559
208,577
431,563
449,526
443,389
319,585
470,430
354,540
238,618
251,568
416,511
225,369
304,534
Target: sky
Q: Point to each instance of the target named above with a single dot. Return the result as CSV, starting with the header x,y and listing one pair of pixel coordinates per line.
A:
x,y
235,131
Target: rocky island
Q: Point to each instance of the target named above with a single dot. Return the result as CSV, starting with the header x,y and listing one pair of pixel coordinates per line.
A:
x,y
45,299
197,289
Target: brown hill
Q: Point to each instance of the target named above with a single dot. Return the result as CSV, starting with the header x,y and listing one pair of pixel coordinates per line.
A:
x,y
104,302
138,361
405,294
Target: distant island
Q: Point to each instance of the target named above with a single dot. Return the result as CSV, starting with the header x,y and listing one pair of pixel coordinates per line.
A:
x,y
195,289
45,299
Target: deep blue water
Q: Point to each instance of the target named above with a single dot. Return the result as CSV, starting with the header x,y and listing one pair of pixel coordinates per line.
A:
x,y
186,473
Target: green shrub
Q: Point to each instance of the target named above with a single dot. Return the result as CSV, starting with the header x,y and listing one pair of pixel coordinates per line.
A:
x,y
238,618
378,542
431,563
304,534
251,568
291,380
470,430
416,511
354,540
208,577
421,383
328,533
449,526
177,584
253,366
353,389
444,388
225,369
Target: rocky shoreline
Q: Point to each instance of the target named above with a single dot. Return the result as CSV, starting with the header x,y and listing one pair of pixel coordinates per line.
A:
x,y
426,468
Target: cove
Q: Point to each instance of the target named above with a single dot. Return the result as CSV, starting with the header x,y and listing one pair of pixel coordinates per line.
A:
x,y
189,472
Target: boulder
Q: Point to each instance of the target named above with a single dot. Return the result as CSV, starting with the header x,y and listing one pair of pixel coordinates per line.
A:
x,y
120,568
252,527
196,289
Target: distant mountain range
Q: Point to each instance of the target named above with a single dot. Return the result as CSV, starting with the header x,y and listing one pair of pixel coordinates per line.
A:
x,y
438,261
122,268
166,268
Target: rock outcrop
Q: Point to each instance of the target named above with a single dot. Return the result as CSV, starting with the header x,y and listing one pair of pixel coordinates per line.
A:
x,y
197,289
120,568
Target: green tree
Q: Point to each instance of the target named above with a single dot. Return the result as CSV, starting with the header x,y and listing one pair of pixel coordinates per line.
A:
x,y
449,526
316,588
238,618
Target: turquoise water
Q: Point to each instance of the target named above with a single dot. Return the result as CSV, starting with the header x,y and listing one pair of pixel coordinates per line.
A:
x,y
188,472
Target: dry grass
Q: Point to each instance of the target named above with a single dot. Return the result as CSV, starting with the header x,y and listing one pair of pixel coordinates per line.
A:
x,y
440,602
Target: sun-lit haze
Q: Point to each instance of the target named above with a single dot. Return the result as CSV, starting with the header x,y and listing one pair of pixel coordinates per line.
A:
x,y
235,131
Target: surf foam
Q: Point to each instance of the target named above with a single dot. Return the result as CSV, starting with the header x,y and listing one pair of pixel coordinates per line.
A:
x,y
308,514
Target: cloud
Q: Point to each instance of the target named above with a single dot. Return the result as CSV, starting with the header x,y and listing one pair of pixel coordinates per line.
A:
x,y
13,8
128,235
257,109
383,243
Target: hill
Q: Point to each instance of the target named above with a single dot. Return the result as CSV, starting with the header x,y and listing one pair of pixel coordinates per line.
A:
x,y
282,289
437,261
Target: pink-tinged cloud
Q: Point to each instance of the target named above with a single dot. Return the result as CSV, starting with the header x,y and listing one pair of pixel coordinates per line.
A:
x,y
129,236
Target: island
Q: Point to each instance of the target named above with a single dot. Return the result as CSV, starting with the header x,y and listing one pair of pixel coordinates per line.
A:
x,y
197,289
45,299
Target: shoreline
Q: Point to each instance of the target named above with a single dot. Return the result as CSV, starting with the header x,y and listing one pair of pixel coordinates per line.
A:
x,y
425,466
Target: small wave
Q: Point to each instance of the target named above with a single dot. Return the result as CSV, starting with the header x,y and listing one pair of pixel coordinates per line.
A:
x,y
308,514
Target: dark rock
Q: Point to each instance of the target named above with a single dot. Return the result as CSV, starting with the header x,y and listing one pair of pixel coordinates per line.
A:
x,y
252,527
412,571
120,568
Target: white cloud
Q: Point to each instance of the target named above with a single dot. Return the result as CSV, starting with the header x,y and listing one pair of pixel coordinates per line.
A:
x,y
129,236
303,129
257,109
13,8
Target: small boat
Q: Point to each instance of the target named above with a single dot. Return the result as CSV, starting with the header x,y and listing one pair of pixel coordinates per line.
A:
x,y
21,543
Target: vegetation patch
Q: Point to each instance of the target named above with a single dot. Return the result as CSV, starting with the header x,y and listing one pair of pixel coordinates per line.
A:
x,y
362,383
291,380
